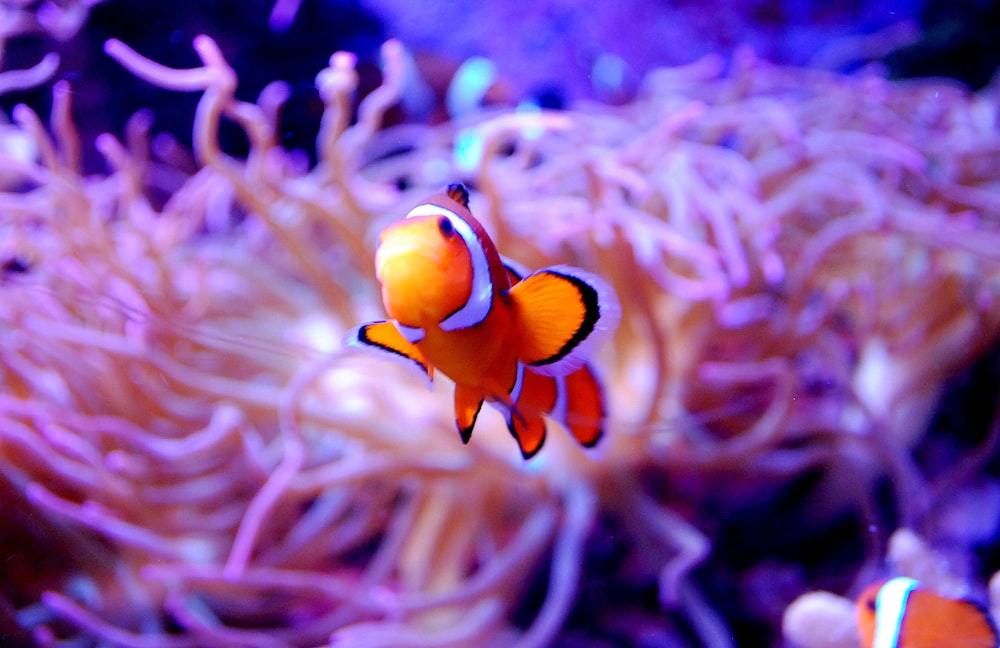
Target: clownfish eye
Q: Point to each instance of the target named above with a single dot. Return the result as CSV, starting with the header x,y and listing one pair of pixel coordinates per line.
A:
x,y
446,227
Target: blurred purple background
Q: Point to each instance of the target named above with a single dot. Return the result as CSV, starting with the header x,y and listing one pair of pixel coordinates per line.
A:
x,y
552,52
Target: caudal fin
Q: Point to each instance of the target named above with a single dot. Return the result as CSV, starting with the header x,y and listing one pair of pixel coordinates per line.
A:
x,y
585,409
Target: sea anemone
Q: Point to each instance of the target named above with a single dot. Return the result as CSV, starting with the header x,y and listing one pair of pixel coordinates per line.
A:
x,y
802,258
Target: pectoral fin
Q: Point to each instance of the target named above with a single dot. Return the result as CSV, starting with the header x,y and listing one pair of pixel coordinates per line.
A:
x,y
384,337
561,314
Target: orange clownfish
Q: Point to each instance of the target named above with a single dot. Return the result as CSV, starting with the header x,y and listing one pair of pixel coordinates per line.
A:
x,y
899,613
518,341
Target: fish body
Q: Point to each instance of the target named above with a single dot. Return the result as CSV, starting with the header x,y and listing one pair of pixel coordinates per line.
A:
x,y
516,340
899,613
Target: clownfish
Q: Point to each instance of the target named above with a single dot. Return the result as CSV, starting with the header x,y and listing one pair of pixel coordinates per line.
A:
x,y
899,613
515,340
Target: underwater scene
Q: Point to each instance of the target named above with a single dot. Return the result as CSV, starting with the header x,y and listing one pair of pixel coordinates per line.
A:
x,y
387,324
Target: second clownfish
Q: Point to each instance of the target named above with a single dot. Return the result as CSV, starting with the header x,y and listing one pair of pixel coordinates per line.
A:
x,y
899,613
518,341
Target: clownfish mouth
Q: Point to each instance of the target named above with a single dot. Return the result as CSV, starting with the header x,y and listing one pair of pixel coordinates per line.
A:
x,y
394,257
412,247
419,284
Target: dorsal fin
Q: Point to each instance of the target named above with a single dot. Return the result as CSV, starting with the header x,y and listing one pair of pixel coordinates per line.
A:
x,y
458,193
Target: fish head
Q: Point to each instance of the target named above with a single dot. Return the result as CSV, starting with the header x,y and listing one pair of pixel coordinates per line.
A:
x,y
425,269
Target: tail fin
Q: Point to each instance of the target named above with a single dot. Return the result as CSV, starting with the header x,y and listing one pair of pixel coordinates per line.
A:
x,y
585,409
576,401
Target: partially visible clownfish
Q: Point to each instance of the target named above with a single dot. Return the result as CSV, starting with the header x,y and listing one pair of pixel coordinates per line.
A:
x,y
899,613
517,341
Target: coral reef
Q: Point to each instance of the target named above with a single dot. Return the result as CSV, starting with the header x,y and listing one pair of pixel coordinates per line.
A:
x,y
802,259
